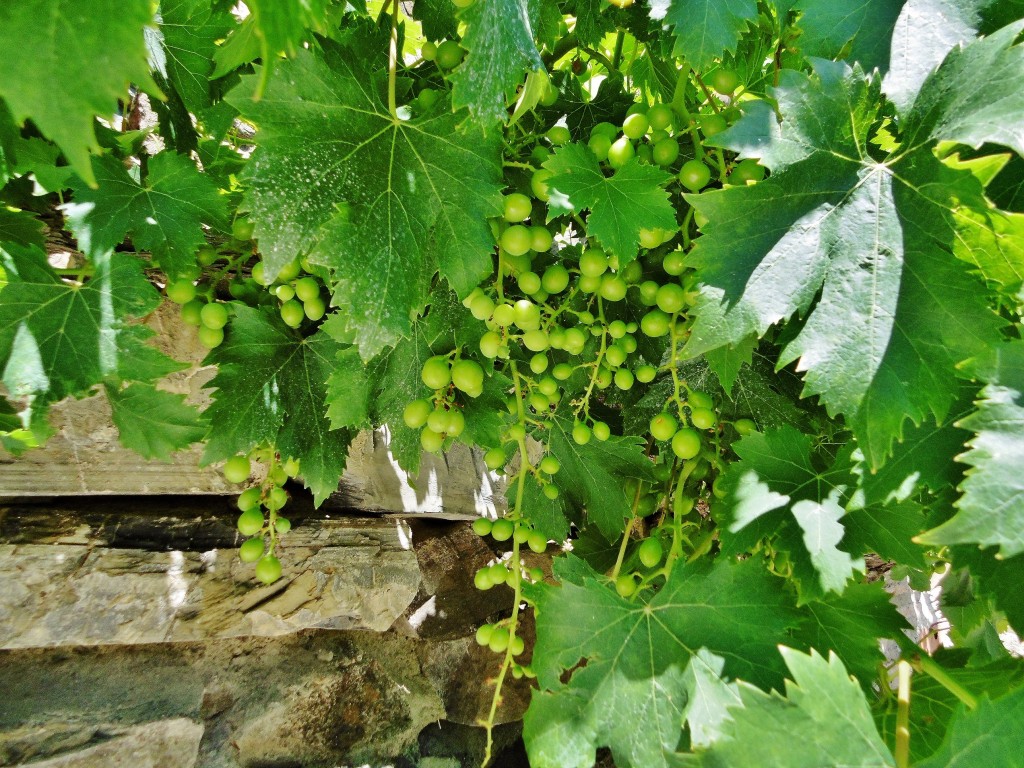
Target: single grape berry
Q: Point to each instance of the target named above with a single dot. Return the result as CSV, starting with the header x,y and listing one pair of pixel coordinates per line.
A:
x,y
555,279
431,441
601,431
251,550
502,529
516,240
468,376
526,315
483,634
635,125
436,372
655,323
250,522
550,491
282,525
449,54
725,81
314,309
593,262
581,433
650,551
694,175
660,117
292,313
416,413
665,152
248,499
517,207
625,585
268,570
242,229
307,289
550,465
181,291
494,459
237,469
482,526
620,152
663,426
745,426
674,263
214,315
499,640
686,443
537,542
210,337
703,418
529,282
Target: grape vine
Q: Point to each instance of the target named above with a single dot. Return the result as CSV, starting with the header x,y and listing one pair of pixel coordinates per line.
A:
x,y
728,292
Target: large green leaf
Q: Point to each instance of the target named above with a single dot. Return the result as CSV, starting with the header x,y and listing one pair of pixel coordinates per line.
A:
x,y
67,61
822,720
620,205
636,656
858,30
281,26
776,484
888,317
154,423
499,39
382,202
165,215
271,387
991,510
60,338
987,735
704,29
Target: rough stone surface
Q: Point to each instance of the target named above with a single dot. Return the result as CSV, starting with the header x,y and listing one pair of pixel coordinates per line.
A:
x,y
165,744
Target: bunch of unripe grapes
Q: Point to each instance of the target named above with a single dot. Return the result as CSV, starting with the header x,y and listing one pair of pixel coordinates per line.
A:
x,y
262,528
299,294
441,417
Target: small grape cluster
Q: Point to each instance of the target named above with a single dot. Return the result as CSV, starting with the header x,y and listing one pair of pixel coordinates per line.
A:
x,y
441,417
300,295
263,529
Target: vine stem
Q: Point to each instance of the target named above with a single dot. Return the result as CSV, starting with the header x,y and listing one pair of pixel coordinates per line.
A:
x,y
393,62
626,534
620,38
903,715
938,674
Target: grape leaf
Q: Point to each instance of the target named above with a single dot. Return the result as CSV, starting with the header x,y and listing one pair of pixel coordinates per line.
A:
x,y
822,704
776,474
991,509
57,338
986,735
709,697
382,202
858,30
190,30
40,158
348,391
499,40
704,29
620,206
887,530
271,387
549,516
893,320
850,624
636,655
591,25
104,38
139,361
8,139
997,578
21,228
164,216
281,26
154,423
437,18
592,475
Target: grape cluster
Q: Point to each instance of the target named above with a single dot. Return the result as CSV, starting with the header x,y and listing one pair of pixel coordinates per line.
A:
x,y
440,417
263,528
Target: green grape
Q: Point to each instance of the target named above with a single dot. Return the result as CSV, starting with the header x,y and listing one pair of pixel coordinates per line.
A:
x,y
703,418
293,313
620,152
745,426
502,529
214,315
250,522
259,273
711,125
550,491
725,81
632,272
242,229
539,402
526,315
645,373
655,324
623,379
562,371
581,433
663,426
449,54
605,128
426,99
277,497
251,550
516,240
517,207
540,239
550,95
517,645
436,372
289,271
498,573
660,117
635,125
615,355
268,570
483,634
248,499
529,282
207,255
649,293
694,175
211,337
644,154
549,465
307,289
494,459
237,469
746,171
558,135
674,263
604,378
628,343
521,534
516,432
697,399
482,579
616,329
437,421
686,443
665,152
555,279
504,315
600,144
456,423
314,308
468,376
671,298
416,413
539,362
539,184
548,386
277,476
191,312
556,337
283,524
589,283
490,345
499,640
575,341
431,441
625,585
602,431
613,287
291,467
482,526
181,291
718,488
537,542
482,306
285,292
652,238
651,551
593,262
428,51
